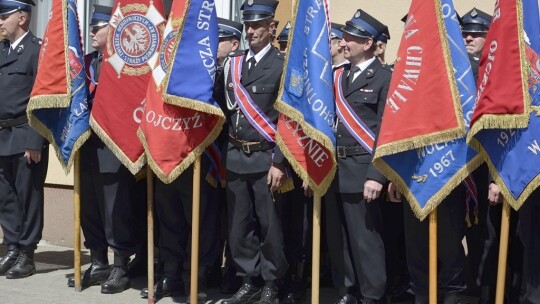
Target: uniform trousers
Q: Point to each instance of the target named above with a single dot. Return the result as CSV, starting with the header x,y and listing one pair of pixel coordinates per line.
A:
x,y
106,211
255,236
356,248
529,230
450,252
174,203
21,199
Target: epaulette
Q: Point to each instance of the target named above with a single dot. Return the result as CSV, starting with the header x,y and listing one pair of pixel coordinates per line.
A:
x,y
36,40
280,56
389,67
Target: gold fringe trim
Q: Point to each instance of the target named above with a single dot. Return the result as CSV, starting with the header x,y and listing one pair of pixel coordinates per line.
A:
x,y
211,180
37,125
39,102
522,59
192,104
494,121
190,158
516,203
435,200
447,55
303,174
133,167
286,186
419,142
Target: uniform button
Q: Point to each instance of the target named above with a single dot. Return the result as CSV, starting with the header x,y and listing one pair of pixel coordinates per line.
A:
x,y
239,128
242,116
339,136
365,98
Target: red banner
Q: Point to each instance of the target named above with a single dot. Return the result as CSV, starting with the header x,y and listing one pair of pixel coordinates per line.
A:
x,y
502,65
307,153
173,136
422,87
52,60
132,49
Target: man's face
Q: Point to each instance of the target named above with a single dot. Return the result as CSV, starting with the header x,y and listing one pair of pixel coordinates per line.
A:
x,y
99,37
354,48
474,42
334,47
225,47
258,33
10,25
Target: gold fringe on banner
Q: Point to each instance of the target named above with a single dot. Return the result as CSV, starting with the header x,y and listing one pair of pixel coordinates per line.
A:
x,y
516,203
186,162
419,212
133,167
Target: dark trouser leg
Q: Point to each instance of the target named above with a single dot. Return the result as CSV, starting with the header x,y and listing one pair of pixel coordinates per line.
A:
x,y
9,202
256,249
338,249
529,227
364,228
451,215
92,212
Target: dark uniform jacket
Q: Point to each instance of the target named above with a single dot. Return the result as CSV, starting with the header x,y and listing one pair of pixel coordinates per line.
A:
x,y
367,97
95,155
17,73
262,84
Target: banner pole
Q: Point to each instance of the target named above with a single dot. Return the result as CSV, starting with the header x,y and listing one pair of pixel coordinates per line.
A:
x,y
433,257
195,230
77,223
316,251
150,232
503,253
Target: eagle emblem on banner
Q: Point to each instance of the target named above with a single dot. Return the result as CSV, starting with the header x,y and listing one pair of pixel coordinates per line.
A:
x,y
134,38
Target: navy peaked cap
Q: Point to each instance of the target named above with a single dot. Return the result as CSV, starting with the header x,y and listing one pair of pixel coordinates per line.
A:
x,y
476,21
363,25
335,31
255,10
101,16
228,28
284,35
11,6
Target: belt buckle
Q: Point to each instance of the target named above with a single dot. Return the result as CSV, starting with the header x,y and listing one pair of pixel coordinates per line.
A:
x,y
245,147
341,152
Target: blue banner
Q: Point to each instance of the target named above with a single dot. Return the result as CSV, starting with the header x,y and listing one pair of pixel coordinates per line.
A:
x,y
69,127
514,154
306,97
190,80
428,174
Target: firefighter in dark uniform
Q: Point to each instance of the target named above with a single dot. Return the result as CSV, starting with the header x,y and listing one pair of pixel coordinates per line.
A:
x,y
283,37
106,207
230,36
255,166
353,202
482,239
23,152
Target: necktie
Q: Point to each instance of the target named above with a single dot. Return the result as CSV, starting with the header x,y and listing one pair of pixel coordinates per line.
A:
x,y
350,78
252,63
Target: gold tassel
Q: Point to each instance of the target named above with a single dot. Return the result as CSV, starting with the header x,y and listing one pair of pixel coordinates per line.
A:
x,y
211,180
288,185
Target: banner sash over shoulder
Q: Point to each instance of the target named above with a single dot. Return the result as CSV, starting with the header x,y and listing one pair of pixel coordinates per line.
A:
x,y
175,134
133,42
58,107
428,173
511,152
306,98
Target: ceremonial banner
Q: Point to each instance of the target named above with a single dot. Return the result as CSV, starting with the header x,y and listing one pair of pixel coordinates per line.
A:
x,y
502,100
427,171
175,134
58,107
512,154
306,97
132,51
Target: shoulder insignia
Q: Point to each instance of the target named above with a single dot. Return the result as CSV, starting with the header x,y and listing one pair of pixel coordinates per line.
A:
x,y
37,40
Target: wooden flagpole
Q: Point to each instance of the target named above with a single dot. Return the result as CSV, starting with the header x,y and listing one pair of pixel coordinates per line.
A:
x,y
195,230
77,223
150,232
316,253
433,257
503,253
